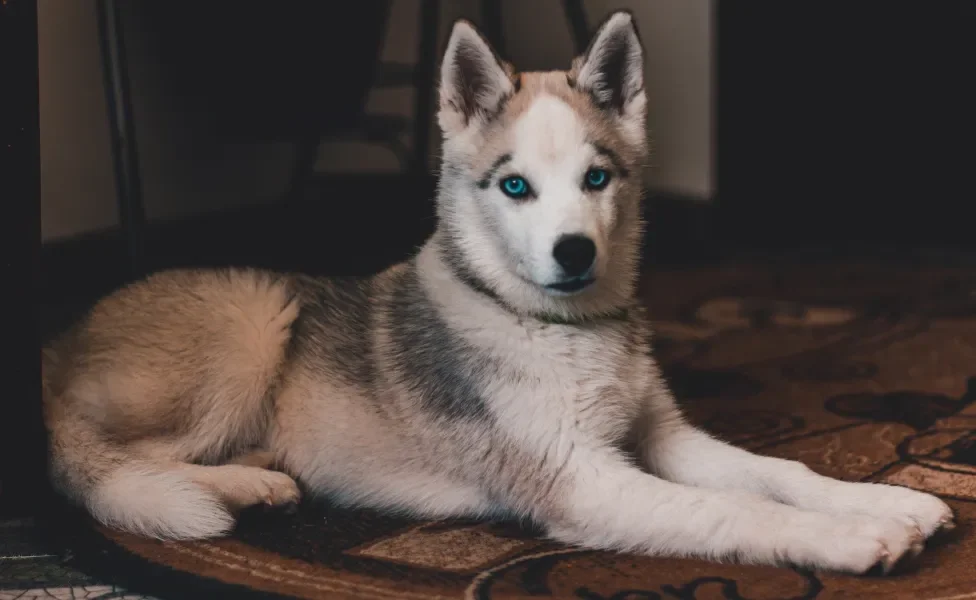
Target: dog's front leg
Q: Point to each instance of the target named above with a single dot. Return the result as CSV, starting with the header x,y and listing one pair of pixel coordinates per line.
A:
x,y
596,499
678,452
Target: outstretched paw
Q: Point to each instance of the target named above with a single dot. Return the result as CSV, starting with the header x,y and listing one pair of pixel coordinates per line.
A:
x,y
924,511
865,545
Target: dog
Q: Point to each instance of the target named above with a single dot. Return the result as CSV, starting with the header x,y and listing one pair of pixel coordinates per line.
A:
x,y
503,371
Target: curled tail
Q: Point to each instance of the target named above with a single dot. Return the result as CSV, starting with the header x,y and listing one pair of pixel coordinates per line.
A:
x,y
158,503
120,490
127,493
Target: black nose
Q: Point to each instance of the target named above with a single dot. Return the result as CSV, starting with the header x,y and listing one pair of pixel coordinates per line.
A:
x,y
575,254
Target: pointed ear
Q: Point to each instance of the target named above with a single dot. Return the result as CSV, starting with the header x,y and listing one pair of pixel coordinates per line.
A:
x,y
474,81
612,68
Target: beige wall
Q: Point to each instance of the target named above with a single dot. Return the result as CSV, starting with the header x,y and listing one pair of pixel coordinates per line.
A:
x,y
77,191
183,174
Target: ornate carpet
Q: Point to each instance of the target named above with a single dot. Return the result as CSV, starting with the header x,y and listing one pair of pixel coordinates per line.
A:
x,y
863,372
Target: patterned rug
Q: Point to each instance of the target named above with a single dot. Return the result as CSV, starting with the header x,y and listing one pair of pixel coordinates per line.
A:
x,y
863,372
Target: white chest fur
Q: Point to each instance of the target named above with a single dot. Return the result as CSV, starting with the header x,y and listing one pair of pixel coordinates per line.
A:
x,y
585,383
580,383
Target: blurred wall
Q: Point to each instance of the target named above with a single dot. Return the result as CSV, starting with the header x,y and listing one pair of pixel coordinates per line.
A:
x,y
184,172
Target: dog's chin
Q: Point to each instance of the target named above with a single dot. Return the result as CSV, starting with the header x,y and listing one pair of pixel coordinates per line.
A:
x,y
569,287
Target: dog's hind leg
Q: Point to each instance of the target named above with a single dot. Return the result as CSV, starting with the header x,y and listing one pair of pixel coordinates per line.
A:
x,y
165,376
239,486
264,459
245,480
146,489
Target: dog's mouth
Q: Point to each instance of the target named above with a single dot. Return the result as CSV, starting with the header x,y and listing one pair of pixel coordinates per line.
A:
x,y
572,286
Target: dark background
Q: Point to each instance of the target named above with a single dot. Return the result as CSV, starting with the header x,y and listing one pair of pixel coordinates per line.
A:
x,y
842,130
846,123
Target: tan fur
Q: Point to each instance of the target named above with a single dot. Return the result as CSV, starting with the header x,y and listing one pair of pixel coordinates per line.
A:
x,y
177,368
210,343
554,83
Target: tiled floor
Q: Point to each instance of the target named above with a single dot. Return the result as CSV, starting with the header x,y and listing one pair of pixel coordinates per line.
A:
x,y
29,571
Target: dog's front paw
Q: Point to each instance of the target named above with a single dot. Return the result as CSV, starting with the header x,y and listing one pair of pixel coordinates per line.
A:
x,y
923,511
926,512
860,545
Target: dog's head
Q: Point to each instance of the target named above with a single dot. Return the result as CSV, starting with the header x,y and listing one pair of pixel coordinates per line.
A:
x,y
541,176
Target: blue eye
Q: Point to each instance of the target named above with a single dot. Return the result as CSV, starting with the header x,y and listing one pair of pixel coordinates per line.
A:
x,y
515,187
597,179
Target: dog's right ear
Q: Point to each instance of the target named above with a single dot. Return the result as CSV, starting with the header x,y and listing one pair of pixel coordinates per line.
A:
x,y
474,82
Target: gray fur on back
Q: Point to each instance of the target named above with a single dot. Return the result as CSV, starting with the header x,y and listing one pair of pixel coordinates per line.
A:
x,y
332,334
447,375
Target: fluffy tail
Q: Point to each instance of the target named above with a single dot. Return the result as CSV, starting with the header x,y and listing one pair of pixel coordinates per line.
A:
x,y
127,493
158,503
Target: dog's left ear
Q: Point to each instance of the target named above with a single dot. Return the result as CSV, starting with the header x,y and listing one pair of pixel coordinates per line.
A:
x,y
612,69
